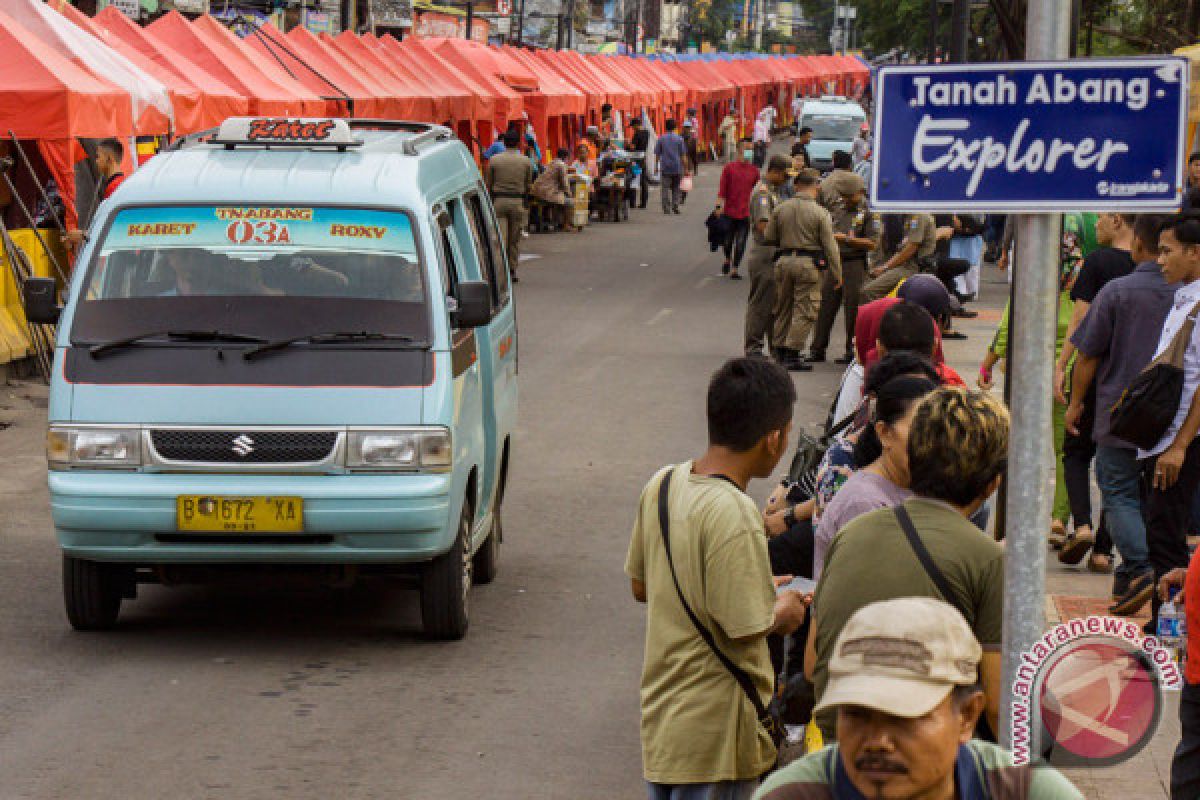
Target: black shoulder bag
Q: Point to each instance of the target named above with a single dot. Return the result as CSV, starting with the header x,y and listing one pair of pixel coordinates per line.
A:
x,y
1147,408
983,729
768,716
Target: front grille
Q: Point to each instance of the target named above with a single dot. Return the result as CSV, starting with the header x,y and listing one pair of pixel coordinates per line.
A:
x,y
244,447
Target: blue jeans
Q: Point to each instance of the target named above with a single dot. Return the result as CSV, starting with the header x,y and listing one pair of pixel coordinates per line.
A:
x,y
1117,471
723,790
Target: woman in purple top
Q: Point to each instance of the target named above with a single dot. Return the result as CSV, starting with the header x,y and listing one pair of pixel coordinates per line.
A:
x,y
882,446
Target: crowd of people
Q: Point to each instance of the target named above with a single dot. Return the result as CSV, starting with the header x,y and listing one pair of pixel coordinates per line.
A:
x,y
865,600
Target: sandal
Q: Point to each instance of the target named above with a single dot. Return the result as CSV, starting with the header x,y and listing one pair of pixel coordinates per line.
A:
x,y
1076,546
1058,534
1100,564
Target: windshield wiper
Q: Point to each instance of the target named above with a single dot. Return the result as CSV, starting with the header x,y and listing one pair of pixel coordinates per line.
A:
x,y
325,338
98,350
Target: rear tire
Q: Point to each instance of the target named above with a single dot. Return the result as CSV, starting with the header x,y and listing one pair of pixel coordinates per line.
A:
x,y
92,593
445,584
487,557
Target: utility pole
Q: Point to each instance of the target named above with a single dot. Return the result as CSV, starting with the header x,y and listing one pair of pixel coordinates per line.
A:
x,y
521,23
1031,340
933,26
960,28
470,17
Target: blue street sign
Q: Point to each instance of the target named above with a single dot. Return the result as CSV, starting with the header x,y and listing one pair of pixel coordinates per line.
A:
x,y
1031,137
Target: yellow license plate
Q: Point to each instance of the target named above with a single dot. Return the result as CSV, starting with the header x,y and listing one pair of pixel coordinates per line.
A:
x,y
212,514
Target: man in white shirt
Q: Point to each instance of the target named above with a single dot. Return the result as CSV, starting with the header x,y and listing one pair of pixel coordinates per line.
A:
x,y
1171,469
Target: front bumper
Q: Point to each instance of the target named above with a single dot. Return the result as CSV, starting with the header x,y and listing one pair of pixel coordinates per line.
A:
x,y
348,519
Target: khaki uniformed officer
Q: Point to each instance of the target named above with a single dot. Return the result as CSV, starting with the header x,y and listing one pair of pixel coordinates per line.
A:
x,y
804,232
920,240
509,178
760,309
857,230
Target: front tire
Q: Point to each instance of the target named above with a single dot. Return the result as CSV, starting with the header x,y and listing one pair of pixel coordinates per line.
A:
x,y
487,557
92,594
445,584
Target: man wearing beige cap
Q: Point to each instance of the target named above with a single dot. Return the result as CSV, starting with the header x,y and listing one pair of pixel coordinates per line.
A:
x,y
857,231
904,681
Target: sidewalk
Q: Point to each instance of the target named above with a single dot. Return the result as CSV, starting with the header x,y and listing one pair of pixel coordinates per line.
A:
x,y
1072,592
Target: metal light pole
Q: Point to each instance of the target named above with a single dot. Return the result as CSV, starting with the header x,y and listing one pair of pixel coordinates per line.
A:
x,y
521,24
933,26
1031,345
960,19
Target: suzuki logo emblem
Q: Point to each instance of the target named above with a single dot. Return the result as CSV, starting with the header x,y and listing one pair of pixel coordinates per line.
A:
x,y
243,445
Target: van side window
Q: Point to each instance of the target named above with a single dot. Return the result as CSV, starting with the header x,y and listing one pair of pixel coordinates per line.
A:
x,y
483,224
451,270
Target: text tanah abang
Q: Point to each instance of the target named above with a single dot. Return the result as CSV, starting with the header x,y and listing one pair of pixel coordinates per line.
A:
x,y
1056,89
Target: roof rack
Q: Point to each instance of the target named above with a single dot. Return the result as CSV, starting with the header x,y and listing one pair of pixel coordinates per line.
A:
x,y
423,132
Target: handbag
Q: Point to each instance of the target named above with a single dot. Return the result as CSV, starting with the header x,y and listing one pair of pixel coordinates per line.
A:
x,y
1148,406
768,715
810,450
685,183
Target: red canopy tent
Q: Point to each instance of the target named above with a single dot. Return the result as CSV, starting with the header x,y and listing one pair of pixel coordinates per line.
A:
x,y
206,45
470,58
269,44
552,106
201,100
420,103
47,98
458,102
489,107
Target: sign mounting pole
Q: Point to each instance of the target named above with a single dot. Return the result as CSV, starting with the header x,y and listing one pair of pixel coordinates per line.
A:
x,y
1031,345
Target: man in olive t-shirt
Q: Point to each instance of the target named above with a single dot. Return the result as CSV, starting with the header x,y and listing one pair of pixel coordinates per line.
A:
x,y
870,560
701,736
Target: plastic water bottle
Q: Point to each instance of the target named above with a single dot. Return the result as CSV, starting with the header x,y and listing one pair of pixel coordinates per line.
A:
x,y
1172,629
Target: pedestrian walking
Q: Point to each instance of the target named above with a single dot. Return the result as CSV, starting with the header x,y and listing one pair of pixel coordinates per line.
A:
x,y
916,250
671,153
862,145
698,559
904,688
691,163
762,135
1113,259
957,450
1171,468
738,179
1114,343
807,247
509,179
800,157
760,306
639,143
857,231
727,132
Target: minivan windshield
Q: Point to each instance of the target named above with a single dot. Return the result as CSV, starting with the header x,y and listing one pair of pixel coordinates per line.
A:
x,y
267,272
838,128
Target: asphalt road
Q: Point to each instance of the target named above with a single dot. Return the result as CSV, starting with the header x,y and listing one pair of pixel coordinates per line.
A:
x,y
252,692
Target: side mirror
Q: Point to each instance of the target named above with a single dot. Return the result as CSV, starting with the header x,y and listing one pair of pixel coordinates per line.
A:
x,y
41,302
474,304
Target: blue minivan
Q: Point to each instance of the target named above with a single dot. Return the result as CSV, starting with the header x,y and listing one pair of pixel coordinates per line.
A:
x,y
289,346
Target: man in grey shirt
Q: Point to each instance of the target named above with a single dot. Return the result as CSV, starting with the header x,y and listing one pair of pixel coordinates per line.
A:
x,y
671,152
1115,341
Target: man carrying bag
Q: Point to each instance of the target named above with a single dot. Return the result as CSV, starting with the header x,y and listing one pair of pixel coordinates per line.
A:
x,y
698,559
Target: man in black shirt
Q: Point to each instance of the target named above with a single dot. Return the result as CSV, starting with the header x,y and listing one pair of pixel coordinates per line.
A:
x,y
639,142
1111,261
800,148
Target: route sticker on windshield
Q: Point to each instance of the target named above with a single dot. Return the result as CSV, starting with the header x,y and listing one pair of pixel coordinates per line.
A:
x,y
260,232
270,212
161,229
358,231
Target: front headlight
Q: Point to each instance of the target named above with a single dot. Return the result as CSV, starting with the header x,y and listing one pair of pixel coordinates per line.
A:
x,y
410,448
93,447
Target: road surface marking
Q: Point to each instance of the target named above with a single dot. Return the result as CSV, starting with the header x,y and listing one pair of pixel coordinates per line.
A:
x,y
659,317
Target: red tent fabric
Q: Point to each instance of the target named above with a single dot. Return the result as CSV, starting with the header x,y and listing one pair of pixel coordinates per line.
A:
x,y
419,102
372,98
217,100
460,103
47,98
489,108
269,44
206,46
